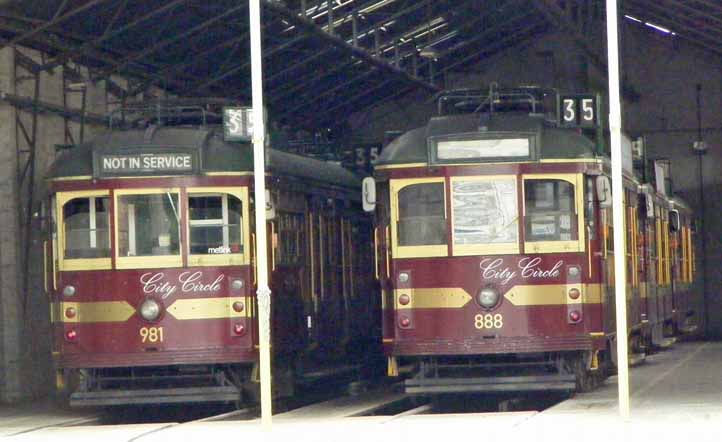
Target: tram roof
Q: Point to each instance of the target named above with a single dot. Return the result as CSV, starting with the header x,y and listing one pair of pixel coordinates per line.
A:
x,y
556,143
216,155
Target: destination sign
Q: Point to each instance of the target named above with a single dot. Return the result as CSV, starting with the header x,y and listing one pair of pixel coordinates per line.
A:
x,y
145,163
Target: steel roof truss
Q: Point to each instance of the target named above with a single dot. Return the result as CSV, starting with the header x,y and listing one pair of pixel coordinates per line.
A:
x,y
358,52
89,45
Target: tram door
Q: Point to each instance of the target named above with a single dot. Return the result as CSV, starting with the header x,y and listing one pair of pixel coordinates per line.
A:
x,y
607,268
286,275
314,274
632,258
382,244
654,307
332,315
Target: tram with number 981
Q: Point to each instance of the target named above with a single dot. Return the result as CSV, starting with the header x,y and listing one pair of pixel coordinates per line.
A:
x,y
151,267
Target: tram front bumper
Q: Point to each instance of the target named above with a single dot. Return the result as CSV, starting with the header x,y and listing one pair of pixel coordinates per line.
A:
x,y
155,396
550,382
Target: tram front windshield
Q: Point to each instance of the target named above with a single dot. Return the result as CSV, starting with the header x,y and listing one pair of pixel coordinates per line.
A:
x,y
485,215
148,225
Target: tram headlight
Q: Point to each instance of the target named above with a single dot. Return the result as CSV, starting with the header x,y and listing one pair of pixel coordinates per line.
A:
x,y
403,277
488,297
150,309
69,290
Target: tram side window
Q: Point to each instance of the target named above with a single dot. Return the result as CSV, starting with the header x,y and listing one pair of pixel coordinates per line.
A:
x,y
550,214
290,229
86,228
422,218
148,225
215,224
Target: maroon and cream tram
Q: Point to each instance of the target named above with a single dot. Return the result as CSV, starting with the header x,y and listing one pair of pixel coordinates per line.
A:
x,y
151,268
495,254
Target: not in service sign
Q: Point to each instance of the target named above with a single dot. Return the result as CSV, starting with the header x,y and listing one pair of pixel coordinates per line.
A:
x,y
109,165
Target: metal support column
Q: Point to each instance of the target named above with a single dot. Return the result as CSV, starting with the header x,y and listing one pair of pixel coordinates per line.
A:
x,y
620,277
259,181
700,148
26,172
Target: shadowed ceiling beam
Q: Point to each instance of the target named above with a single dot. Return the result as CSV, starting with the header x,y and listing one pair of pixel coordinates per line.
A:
x,y
691,34
364,106
343,85
89,45
194,59
698,13
532,27
714,4
241,66
353,99
115,67
551,10
49,24
340,43
321,53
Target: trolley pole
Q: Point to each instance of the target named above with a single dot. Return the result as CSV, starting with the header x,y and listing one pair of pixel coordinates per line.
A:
x,y
259,181
620,277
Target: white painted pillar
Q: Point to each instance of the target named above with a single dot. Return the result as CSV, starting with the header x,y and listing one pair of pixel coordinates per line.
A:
x,y
620,279
259,182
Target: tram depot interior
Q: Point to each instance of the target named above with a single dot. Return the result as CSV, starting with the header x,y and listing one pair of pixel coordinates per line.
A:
x,y
343,79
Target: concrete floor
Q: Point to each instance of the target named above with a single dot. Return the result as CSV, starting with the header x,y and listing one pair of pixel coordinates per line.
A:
x,y
676,395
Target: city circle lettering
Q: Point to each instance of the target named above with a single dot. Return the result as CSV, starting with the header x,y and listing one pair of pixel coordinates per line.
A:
x,y
187,282
526,268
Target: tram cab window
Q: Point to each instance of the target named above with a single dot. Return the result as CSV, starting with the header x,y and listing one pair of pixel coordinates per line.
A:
x,y
148,225
86,223
215,224
550,212
421,218
485,211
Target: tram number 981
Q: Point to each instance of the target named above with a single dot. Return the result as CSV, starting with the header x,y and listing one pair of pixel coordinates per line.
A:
x,y
488,321
151,334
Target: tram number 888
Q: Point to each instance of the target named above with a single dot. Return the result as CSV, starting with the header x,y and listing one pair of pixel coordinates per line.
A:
x,y
488,321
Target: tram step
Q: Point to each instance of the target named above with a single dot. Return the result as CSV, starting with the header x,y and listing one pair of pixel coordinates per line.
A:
x,y
636,359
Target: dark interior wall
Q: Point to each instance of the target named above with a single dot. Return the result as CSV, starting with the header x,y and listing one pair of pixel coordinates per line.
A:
x,y
26,369
660,73
663,72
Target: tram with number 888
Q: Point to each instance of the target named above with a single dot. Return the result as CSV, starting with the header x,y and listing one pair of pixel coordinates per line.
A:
x,y
494,247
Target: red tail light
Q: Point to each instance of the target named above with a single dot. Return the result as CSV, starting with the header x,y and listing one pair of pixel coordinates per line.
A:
x,y
239,329
575,316
71,335
404,322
